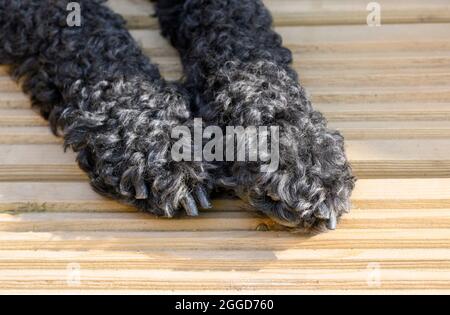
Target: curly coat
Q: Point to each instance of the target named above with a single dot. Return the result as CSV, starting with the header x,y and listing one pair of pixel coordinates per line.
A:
x,y
106,98
240,74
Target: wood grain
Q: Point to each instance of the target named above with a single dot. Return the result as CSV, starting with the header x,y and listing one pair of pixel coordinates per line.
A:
x,y
139,14
371,157
78,196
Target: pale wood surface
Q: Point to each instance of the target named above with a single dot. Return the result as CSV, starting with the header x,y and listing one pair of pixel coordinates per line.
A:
x,y
387,89
318,12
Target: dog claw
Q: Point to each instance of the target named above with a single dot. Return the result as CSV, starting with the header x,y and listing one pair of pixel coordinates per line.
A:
x,y
226,182
141,192
202,197
332,222
190,206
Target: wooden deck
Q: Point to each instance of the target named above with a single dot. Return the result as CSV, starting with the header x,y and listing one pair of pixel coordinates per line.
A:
x,y
387,88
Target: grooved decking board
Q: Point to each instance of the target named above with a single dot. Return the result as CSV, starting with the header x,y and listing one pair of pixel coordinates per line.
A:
x,y
184,280
139,13
332,94
303,259
14,100
78,196
369,158
389,110
365,130
20,117
390,113
227,240
336,39
136,222
18,112
352,130
28,135
321,80
222,221
409,60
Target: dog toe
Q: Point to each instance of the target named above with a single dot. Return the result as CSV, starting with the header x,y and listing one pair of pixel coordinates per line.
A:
x,y
202,197
190,205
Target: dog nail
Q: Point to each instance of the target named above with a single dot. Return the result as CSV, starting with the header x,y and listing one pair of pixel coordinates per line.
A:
x,y
141,191
227,182
332,222
202,197
190,206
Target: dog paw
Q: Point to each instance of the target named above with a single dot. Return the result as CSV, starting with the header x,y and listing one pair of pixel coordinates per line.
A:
x,y
126,147
299,203
311,189
312,183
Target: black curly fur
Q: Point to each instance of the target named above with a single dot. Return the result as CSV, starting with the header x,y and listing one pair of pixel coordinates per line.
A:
x,y
104,96
240,74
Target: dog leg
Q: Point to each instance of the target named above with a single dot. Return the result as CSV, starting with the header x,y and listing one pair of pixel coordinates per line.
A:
x,y
109,102
241,74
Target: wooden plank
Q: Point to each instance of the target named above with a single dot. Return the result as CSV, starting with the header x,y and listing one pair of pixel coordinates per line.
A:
x,y
361,35
402,193
136,222
214,221
263,279
428,57
26,154
226,292
8,85
397,113
352,130
399,158
346,38
360,95
369,130
417,193
72,291
299,259
385,61
28,135
4,70
328,12
226,240
14,100
71,196
139,13
320,79
422,57
335,112
385,68
378,80
404,158
20,117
